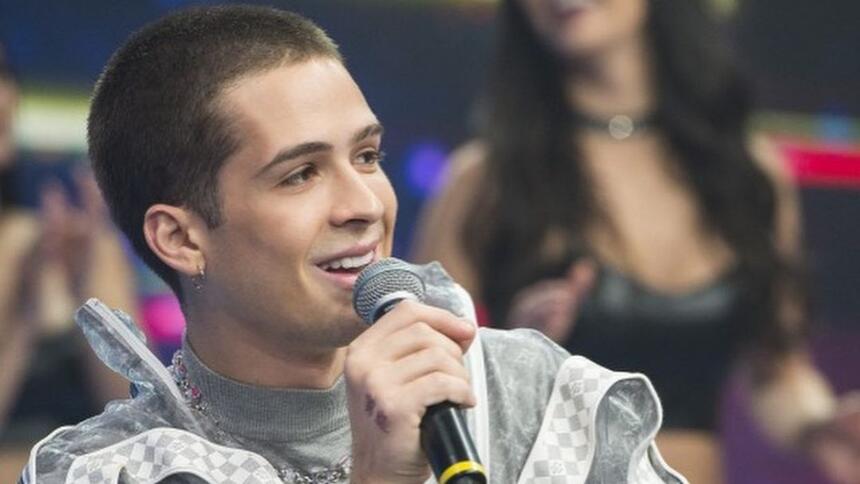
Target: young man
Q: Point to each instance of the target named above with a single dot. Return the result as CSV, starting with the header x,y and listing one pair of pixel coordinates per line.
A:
x,y
243,163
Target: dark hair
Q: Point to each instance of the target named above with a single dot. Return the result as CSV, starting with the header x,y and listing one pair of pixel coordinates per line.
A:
x,y
535,183
7,75
6,72
7,189
156,131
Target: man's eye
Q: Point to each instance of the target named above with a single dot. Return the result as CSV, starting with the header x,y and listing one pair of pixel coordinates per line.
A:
x,y
371,157
299,177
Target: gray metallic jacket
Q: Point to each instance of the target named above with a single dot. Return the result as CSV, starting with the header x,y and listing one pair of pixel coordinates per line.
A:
x,y
543,416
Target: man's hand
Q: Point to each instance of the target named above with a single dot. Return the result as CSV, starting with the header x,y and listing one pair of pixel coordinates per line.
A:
x,y
408,360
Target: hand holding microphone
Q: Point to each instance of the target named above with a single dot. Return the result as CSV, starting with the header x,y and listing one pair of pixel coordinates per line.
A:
x,y
406,379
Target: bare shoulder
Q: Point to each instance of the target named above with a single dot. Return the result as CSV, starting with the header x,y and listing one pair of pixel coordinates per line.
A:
x,y
440,226
766,153
467,163
466,168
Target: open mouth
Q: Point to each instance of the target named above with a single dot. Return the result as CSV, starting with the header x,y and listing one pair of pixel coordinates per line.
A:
x,y
348,265
569,7
573,3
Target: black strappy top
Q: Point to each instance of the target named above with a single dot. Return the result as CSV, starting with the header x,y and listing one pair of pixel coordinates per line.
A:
x,y
685,343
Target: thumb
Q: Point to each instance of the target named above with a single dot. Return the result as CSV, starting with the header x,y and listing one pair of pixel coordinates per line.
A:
x,y
581,276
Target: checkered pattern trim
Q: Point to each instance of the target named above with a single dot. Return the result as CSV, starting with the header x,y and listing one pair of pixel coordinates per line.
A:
x,y
151,456
565,444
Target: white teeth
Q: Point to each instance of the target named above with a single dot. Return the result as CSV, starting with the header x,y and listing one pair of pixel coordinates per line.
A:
x,y
572,3
349,262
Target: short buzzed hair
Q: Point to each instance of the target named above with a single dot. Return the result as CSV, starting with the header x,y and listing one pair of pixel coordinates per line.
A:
x,y
156,131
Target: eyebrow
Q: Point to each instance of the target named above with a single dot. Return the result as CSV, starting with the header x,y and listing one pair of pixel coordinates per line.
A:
x,y
311,147
374,129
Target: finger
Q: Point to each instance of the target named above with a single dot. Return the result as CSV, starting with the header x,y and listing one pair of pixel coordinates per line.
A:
x,y
91,198
559,324
415,338
538,315
581,277
53,216
541,287
438,387
407,313
556,294
536,295
424,362
551,308
528,317
532,310
59,217
54,205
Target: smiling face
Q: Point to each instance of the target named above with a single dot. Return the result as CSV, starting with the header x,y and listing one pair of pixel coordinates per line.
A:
x,y
577,28
305,204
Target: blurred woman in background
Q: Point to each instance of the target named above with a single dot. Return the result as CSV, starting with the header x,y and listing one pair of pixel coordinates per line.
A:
x,y
616,201
50,262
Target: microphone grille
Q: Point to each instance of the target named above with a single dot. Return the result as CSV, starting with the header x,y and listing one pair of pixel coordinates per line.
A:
x,y
380,279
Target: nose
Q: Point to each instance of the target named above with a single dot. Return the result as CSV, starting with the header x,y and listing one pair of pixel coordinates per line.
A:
x,y
355,198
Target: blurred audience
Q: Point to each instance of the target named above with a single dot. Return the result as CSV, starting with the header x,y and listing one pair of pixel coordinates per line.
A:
x,y
616,201
52,260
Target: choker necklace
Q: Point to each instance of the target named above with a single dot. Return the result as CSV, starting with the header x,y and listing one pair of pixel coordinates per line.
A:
x,y
620,127
288,474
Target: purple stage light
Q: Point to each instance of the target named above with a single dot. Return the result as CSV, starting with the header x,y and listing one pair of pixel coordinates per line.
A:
x,y
425,167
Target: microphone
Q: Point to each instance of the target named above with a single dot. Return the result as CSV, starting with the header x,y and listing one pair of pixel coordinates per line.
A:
x,y
444,435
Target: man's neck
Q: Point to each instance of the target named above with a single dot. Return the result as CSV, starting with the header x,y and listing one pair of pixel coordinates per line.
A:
x,y
236,353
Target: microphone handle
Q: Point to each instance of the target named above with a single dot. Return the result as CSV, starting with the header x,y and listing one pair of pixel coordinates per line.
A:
x,y
446,440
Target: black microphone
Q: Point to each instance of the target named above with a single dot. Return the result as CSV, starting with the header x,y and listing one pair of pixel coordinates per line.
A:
x,y
444,435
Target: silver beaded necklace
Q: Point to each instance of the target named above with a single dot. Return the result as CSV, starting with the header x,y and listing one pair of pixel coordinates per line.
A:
x,y
339,472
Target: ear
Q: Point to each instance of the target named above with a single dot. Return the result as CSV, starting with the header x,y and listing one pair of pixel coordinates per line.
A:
x,y
176,236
